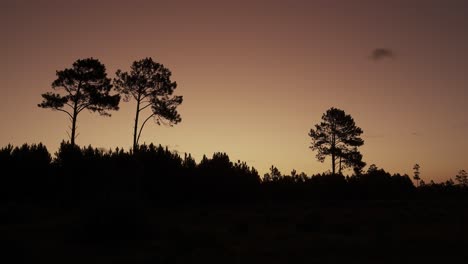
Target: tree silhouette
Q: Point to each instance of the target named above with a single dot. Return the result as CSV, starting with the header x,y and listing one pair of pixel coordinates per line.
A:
x,y
273,176
462,178
149,83
351,158
86,86
417,174
337,136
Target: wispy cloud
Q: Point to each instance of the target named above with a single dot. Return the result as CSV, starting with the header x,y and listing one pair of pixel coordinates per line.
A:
x,y
381,54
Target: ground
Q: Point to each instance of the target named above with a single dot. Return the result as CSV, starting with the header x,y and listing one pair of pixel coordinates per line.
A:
x,y
313,232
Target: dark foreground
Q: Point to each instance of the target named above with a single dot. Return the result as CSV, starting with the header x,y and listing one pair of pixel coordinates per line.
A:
x,y
319,232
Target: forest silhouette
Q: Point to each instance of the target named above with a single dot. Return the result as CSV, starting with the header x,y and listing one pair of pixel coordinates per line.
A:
x,y
99,200
156,174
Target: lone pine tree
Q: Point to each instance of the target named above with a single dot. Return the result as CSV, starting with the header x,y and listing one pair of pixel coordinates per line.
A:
x,y
339,137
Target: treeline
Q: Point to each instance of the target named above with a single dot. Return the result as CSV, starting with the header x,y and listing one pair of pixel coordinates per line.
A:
x,y
157,175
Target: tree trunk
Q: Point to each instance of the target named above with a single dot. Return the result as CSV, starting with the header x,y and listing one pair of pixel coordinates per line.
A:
x,y
135,128
73,130
333,162
339,166
333,153
75,115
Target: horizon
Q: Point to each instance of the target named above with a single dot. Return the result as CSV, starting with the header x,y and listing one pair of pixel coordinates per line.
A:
x,y
255,77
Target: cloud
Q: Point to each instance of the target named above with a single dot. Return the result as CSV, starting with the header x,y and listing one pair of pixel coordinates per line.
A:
x,y
382,53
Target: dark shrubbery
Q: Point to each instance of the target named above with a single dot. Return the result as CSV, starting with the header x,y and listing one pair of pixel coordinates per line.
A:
x,y
157,175
26,172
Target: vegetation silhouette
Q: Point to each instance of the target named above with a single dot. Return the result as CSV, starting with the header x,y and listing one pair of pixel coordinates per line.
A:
x,y
117,201
462,178
149,84
338,136
86,86
157,204
157,175
151,204
417,173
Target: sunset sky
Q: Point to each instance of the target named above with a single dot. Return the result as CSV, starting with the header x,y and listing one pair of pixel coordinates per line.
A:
x,y
255,76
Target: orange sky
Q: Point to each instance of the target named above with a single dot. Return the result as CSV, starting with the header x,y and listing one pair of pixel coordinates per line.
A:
x,y
255,76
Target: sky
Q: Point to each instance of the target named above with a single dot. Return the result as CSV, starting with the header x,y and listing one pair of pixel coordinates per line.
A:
x,y
255,76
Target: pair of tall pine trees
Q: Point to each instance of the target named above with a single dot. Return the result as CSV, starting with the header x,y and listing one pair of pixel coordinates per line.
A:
x,y
86,86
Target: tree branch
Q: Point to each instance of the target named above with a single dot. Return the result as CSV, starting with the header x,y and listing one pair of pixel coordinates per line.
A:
x,y
135,95
144,107
68,89
142,125
82,107
65,111
145,93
